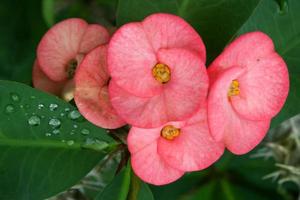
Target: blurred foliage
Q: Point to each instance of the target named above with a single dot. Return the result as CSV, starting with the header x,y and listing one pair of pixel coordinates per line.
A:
x,y
22,23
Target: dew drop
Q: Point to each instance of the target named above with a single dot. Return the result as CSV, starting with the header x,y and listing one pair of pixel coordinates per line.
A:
x,y
40,106
15,97
95,144
62,114
54,123
56,131
72,132
9,108
67,109
85,131
53,106
48,134
34,120
70,142
75,126
21,106
32,97
74,115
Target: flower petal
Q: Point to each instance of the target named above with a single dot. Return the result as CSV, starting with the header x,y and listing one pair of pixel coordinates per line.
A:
x,y
268,77
131,59
266,74
238,134
42,82
91,95
145,112
139,138
94,35
194,149
150,167
170,31
187,89
59,46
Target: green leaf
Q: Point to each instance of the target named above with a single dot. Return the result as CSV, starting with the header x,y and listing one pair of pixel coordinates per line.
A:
x,y
138,189
145,192
281,22
45,145
22,26
48,12
205,192
118,189
215,20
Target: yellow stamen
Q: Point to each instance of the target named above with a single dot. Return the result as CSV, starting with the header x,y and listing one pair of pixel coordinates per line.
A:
x,y
170,132
234,89
161,73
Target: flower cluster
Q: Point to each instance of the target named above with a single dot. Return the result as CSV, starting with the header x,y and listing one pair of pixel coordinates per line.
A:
x,y
152,76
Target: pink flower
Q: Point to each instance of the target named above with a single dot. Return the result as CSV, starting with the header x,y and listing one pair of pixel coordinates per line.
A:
x,y
61,50
63,53
162,155
91,91
249,85
157,69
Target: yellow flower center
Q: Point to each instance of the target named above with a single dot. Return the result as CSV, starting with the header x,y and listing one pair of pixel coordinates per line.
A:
x,y
161,73
234,89
170,132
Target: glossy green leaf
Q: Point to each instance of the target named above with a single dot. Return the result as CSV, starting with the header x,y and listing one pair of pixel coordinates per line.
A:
x,y
145,192
282,24
215,20
139,190
46,146
119,187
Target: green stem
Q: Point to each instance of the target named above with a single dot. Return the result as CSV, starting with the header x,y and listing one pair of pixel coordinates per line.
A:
x,y
125,183
135,186
227,190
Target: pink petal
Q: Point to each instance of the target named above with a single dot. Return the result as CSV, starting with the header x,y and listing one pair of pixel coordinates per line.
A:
x,y
187,89
266,74
150,167
131,59
139,138
239,134
138,111
263,89
181,96
170,31
59,46
194,149
42,82
91,95
94,35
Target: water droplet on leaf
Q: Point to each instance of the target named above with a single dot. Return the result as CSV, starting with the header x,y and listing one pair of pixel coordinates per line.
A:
x,y
53,106
9,108
56,131
34,120
74,115
15,97
54,122
40,106
48,134
70,142
91,143
85,131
